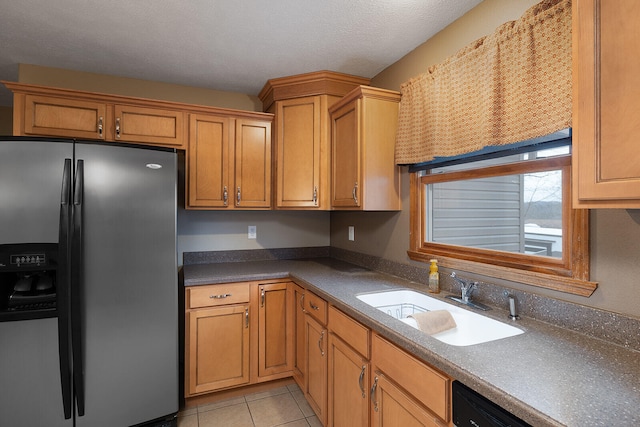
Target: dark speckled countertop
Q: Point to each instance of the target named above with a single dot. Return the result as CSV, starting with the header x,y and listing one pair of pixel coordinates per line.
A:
x,y
548,376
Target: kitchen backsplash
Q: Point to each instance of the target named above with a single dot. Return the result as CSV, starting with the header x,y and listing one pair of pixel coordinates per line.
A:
x,y
611,327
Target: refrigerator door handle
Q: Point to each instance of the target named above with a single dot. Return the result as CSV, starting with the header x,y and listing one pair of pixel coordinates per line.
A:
x,y
63,285
76,288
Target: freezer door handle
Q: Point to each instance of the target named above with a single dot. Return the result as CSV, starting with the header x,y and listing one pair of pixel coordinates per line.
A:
x,y
76,288
63,284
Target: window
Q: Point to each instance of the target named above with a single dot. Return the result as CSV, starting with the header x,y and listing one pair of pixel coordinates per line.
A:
x,y
508,217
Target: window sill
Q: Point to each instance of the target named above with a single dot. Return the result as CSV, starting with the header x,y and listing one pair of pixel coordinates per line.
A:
x,y
545,280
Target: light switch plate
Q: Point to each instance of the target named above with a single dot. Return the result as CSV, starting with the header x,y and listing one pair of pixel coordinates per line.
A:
x,y
252,232
352,236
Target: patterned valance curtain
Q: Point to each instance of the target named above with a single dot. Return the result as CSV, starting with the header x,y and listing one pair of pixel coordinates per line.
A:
x,y
510,86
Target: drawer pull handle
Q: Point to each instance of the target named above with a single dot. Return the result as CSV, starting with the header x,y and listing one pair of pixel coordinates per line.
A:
x,y
373,394
315,195
221,296
262,297
302,303
315,307
118,127
100,126
320,343
225,195
246,318
361,381
354,193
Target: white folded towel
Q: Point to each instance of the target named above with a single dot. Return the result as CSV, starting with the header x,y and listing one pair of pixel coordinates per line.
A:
x,y
433,322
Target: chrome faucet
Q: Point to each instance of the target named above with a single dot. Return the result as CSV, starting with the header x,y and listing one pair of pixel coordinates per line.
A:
x,y
466,288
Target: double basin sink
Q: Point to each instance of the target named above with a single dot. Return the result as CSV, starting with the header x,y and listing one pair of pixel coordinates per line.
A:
x,y
471,328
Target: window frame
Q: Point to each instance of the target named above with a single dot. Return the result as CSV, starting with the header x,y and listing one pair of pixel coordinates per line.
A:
x,y
567,274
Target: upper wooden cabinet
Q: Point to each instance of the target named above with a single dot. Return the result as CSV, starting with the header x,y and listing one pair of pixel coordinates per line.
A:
x,y
43,111
229,161
301,135
148,125
606,109
363,134
47,115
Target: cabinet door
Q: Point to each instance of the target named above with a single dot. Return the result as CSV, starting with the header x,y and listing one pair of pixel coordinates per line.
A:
x,y
252,164
424,383
345,166
299,357
274,334
316,380
218,348
606,110
348,394
298,148
51,116
148,125
208,161
392,407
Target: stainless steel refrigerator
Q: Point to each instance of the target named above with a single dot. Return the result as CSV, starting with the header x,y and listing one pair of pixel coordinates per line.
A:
x,y
88,284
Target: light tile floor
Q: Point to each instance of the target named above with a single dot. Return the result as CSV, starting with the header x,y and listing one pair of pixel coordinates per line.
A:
x,y
282,406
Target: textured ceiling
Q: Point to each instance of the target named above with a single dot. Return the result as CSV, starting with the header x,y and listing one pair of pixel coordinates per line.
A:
x,y
233,45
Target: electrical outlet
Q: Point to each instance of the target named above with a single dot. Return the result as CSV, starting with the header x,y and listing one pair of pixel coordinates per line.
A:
x,y
352,236
252,232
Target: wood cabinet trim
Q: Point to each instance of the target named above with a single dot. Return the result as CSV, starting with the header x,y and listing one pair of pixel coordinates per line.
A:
x,y
131,100
308,84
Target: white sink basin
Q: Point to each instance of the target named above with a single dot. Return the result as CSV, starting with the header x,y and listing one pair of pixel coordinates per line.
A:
x,y
472,328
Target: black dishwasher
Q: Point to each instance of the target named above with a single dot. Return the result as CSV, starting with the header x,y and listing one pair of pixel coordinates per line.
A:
x,y
473,410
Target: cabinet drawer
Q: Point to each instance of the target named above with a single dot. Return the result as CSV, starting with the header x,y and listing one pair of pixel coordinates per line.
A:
x,y
315,306
423,382
213,295
350,331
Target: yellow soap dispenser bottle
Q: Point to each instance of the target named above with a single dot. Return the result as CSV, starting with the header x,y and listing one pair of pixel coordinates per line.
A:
x,y
434,277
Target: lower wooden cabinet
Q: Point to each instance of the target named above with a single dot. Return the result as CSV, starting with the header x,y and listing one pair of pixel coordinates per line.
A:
x,y
237,334
218,348
425,397
348,395
299,356
275,339
315,390
394,407
251,332
349,371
